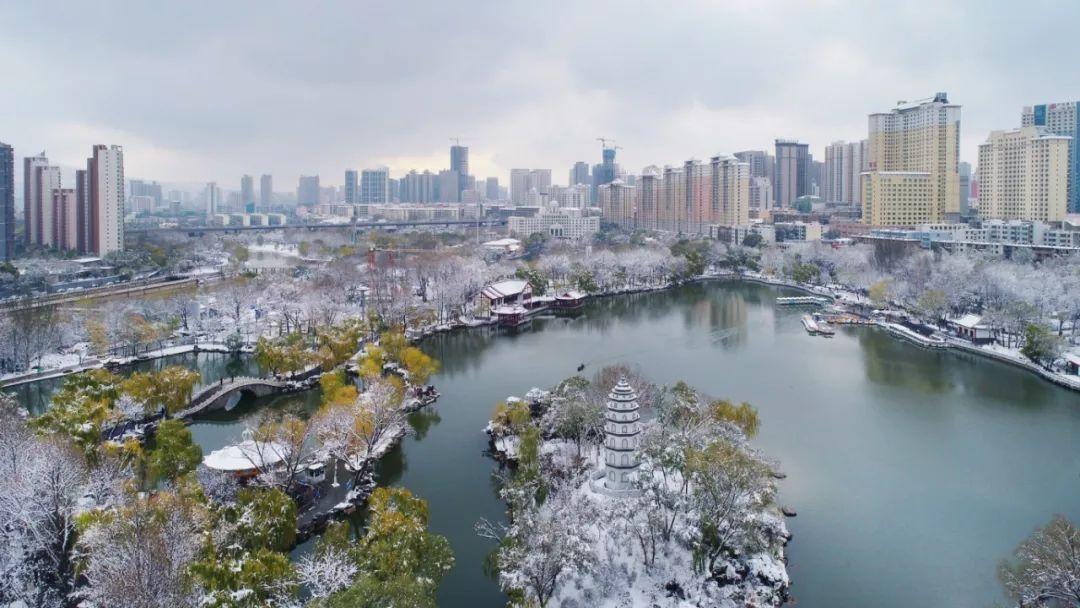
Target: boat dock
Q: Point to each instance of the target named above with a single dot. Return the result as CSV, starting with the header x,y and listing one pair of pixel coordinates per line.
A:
x,y
803,301
817,326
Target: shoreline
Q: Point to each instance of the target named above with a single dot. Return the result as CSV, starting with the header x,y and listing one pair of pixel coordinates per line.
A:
x,y
418,335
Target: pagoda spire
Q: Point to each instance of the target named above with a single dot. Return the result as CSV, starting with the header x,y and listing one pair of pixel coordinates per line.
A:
x,y
622,429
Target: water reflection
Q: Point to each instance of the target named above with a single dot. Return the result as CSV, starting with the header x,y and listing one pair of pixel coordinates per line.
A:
x,y
37,396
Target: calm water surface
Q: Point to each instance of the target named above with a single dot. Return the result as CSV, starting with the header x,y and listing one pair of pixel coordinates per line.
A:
x,y
913,471
36,396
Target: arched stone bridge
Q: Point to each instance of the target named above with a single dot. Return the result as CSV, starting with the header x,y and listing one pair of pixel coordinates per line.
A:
x,y
218,396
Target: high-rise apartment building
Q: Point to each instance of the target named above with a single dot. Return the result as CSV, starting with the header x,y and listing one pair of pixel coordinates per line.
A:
x,y
138,187
1024,175
247,193
352,186
618,204
761,195
214,202
266,191
913,169
792,178
418,187
519,186
730,199
7,202
308,191
449,187
1061,119
576,196
459,163
48,180
844,164
540,180
106,174
66,209
671,216
83,212
32,201
649,195
761,163
698,180
375,185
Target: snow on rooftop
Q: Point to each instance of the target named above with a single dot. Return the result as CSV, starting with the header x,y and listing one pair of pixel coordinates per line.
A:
x,y
246,455
506,288
969,321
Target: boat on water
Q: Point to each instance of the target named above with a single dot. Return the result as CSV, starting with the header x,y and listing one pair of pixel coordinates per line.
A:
x,y
810,324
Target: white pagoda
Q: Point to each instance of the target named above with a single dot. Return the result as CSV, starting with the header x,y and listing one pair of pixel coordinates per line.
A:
x,y
622,428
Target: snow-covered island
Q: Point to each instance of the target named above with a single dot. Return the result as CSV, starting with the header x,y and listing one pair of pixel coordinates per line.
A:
x,y
625,494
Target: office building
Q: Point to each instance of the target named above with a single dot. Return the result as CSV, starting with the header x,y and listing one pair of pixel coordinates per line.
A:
x,y
7,202
1024,175
556,223
491,189
792,174
308,190
1061,119
247,193
579,173
459,163
964,169
606,171
352,186
266,191
913,168
375,185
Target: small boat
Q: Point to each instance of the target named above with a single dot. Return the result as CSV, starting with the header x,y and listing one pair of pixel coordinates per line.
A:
x,y
581,367
810,325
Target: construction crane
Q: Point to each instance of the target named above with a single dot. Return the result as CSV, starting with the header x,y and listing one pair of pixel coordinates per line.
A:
x,y
603,142
456,140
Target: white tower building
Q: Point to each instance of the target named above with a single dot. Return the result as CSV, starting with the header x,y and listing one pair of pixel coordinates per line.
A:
x,y
622,428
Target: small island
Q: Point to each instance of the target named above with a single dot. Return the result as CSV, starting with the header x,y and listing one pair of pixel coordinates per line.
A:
x,y
624,493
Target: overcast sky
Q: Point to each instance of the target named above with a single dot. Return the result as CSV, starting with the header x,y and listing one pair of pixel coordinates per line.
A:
x,y
210,91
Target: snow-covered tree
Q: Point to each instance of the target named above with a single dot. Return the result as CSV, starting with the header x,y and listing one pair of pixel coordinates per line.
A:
x,y
1045,568
139,556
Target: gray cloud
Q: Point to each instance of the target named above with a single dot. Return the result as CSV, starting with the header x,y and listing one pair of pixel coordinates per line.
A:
x,y
201,91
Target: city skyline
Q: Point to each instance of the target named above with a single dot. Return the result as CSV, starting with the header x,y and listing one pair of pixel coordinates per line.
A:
x,y
252,105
